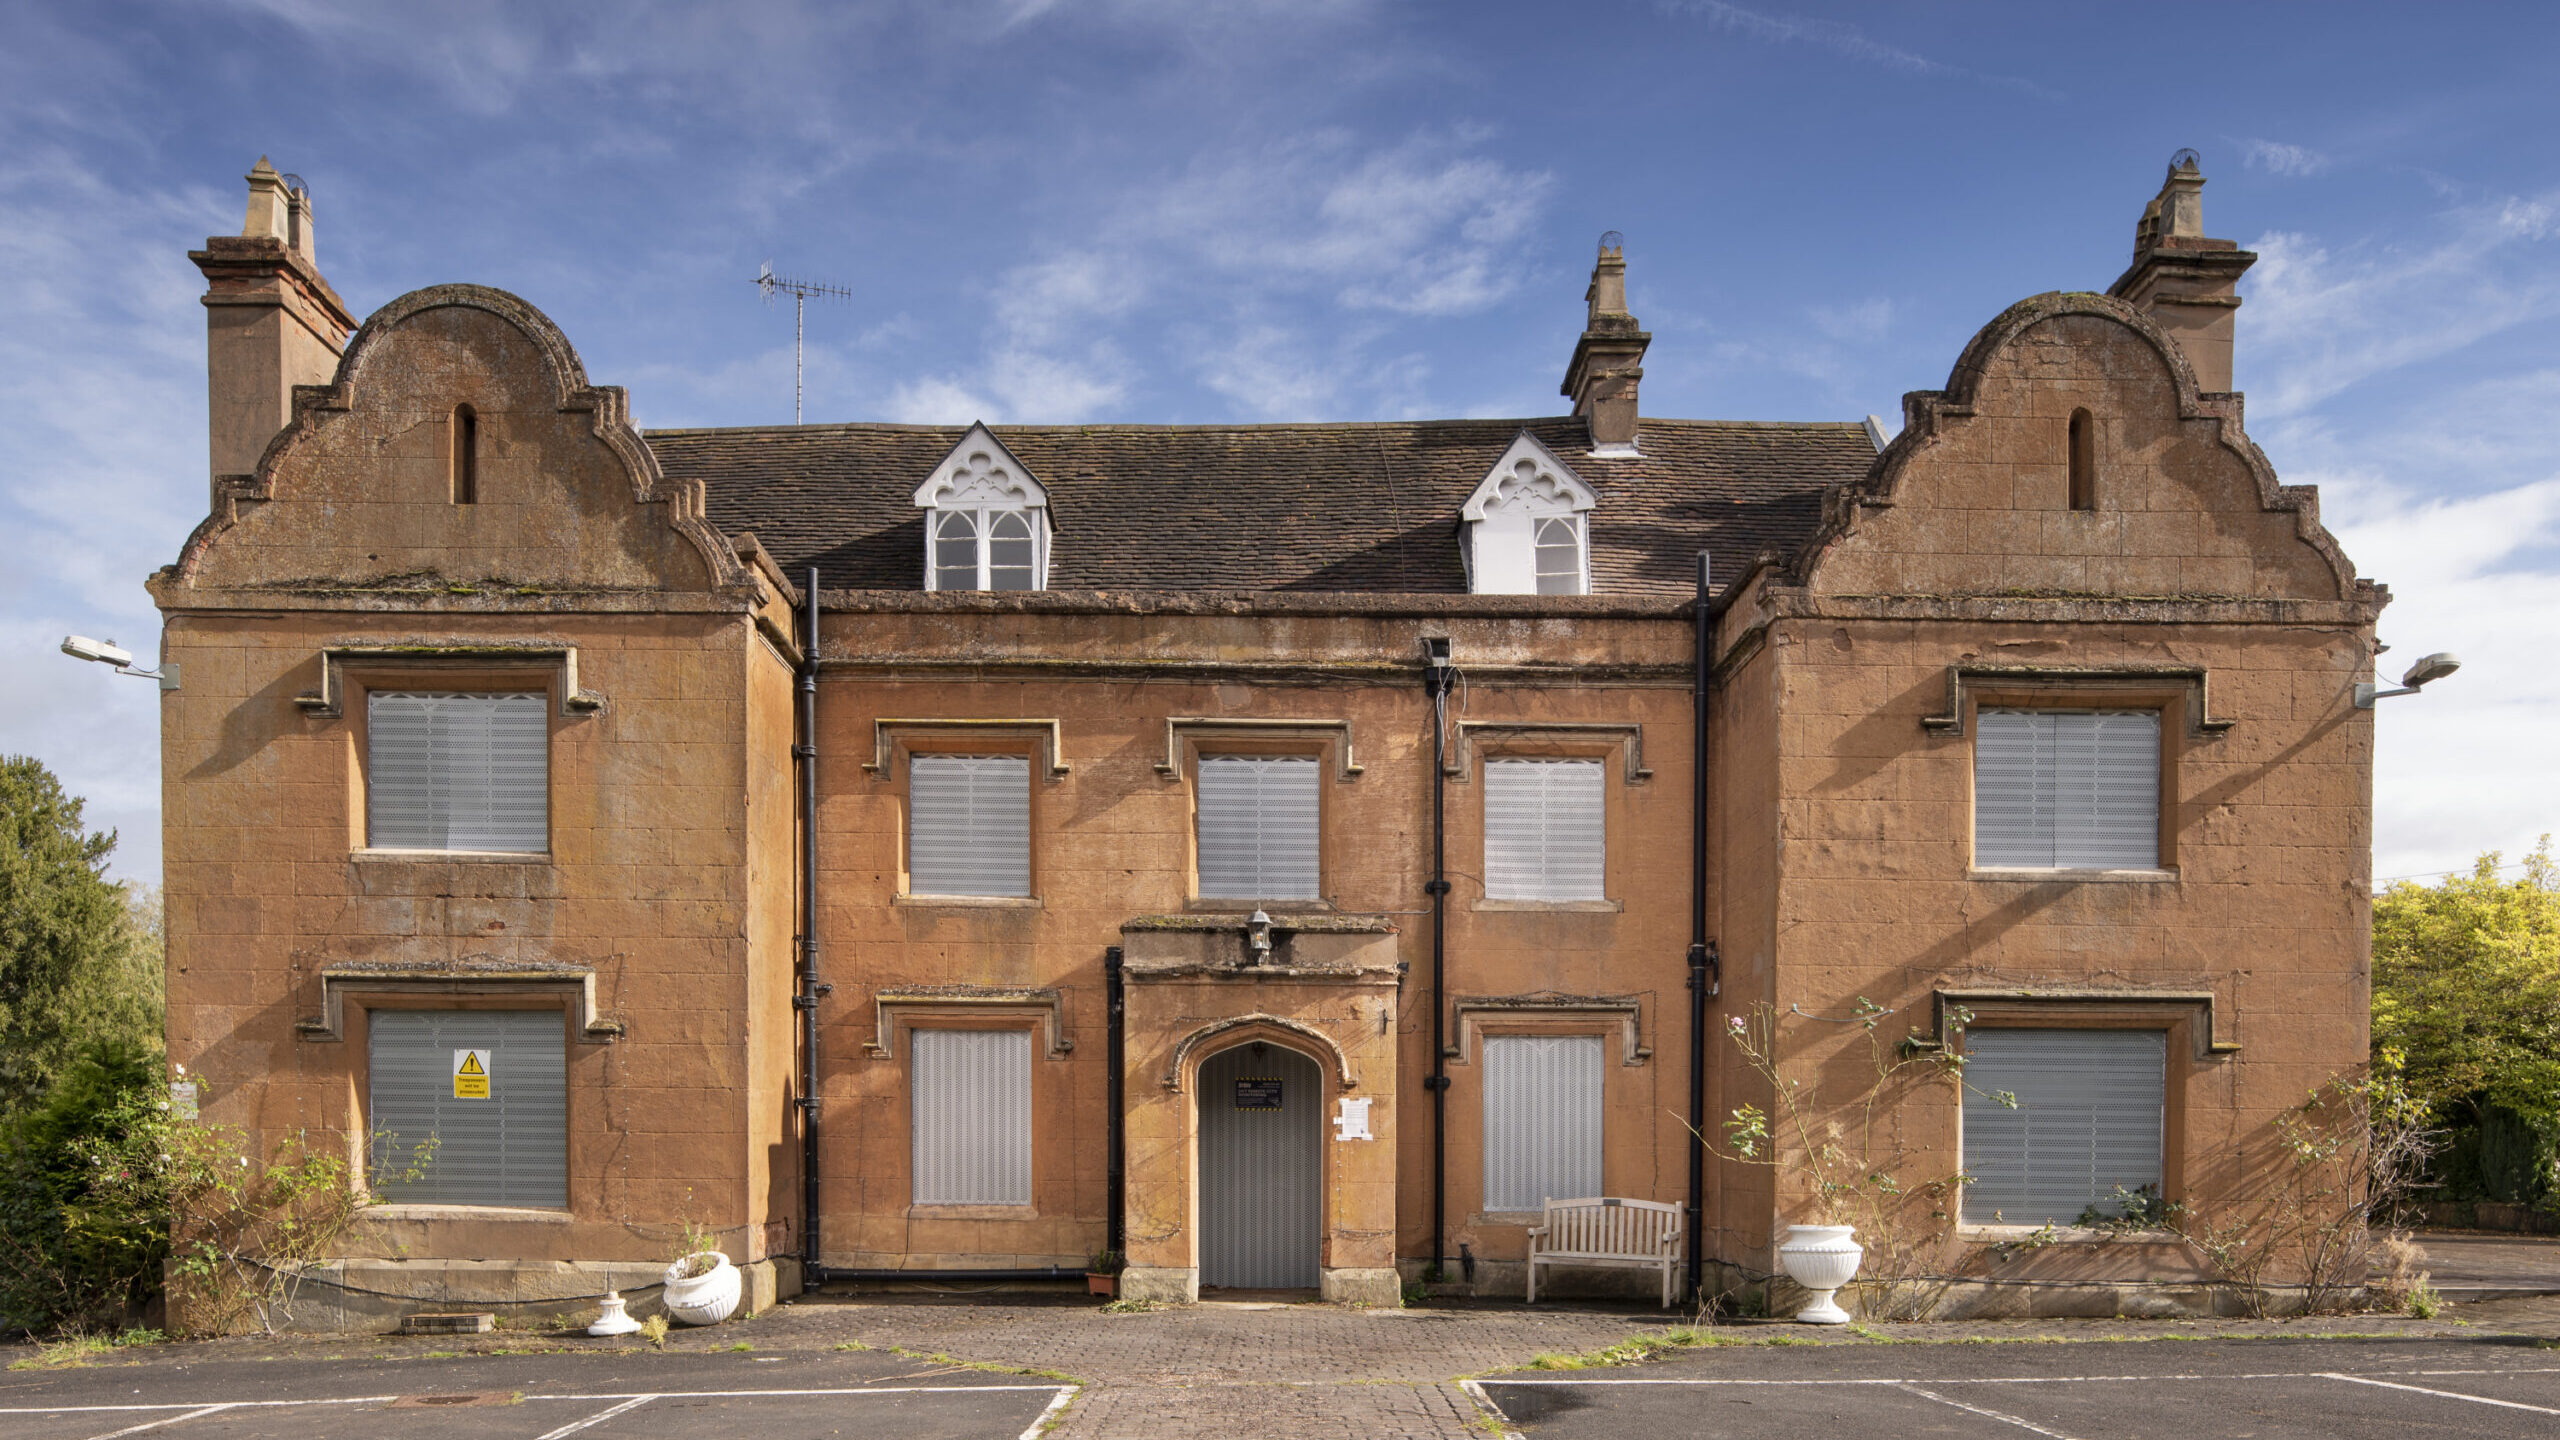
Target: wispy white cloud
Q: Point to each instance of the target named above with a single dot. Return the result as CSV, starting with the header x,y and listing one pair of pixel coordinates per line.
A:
x,y
1842,39
2321,321
2278,158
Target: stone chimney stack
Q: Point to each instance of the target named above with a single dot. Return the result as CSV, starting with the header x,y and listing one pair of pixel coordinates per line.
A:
x,y
271,321
2187,283
1608,361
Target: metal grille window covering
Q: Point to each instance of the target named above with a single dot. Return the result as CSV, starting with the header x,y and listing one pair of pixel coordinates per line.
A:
x,y
1541,1119
972,1092
1545,830
2090,1110
968,825
458,772
2067,789
1258,827
511,1148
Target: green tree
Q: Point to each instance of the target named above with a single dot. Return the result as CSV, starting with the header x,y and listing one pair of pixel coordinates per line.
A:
x,y
79,953
2466,991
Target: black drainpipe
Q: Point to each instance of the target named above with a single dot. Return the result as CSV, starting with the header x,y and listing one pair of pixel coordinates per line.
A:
x,y
810,988
1435,683
1115,1049
1706,968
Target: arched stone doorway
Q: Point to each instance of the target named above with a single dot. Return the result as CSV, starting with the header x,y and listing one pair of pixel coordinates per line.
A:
x,y
1261,1169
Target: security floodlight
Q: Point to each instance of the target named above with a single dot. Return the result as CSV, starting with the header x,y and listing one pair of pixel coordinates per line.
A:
x,y
2429,668
108,652
105,652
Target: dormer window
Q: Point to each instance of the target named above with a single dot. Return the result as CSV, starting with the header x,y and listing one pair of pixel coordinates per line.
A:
x,y
1527,527
988,526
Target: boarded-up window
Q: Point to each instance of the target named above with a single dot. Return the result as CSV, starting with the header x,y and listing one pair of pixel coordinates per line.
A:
x,y
2067,789
972,1117
489,1088
1541,1119
458,772
1258,827
2088,1121
968,825
1545,830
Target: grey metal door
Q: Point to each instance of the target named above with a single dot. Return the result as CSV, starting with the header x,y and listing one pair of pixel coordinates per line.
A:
x,y
1261,1169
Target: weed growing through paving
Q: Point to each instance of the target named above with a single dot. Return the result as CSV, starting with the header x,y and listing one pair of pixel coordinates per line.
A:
x,y
953,1362
1129,1307
79,1349
654,1330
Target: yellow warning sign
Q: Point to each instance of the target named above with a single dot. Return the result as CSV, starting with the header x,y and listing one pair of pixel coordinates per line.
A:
x,y
470,1074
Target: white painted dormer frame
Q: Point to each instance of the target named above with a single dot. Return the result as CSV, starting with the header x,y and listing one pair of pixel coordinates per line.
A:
x,y
993,514
1528,521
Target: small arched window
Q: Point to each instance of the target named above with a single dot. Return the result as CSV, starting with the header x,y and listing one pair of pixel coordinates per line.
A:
x,y
2084,461
1011,551
466,455
1560,555
955,550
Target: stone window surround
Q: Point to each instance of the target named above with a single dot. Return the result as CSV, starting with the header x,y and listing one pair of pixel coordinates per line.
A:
x,y
2179,693
894,740
2179,1012
568,990
1328,742
356,669
1486,740
969,1007
1540,1014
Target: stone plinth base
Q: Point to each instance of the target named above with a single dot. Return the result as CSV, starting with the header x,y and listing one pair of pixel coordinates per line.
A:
x,y
1382,1289
1163,1284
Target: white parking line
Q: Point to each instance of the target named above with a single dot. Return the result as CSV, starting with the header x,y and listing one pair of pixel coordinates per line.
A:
x,y
2003,1379
156,1424
2443,1394
574,1426
2001,1416
620,1395
1057,1403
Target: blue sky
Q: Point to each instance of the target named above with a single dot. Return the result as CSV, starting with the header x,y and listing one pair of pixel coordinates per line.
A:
x,y
1321,209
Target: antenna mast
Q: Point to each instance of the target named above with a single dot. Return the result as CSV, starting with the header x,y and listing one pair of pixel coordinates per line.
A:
x,y
799,291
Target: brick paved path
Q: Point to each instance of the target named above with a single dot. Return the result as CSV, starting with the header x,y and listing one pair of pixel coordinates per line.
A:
x,y
1232,1372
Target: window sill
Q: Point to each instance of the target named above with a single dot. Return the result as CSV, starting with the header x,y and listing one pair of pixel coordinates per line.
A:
x,y
1296,905
1550,907
2075,877
1508,1217
441,857
2063,1235
512,1214
968,902
973,1212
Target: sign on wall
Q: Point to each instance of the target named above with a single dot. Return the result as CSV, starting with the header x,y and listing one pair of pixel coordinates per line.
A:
x,y
1351,1119
470,1074
1257,1094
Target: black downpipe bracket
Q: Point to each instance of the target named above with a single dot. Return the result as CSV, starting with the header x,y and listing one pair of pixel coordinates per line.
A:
x,y
1435,683
810,988
1115,1137
1706,967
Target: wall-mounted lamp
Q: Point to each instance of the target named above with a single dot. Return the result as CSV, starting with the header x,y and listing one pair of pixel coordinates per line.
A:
x,y
1257,938
107,652
2432,667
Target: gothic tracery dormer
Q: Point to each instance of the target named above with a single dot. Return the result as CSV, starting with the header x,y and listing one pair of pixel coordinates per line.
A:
x,y
988,522
1527,527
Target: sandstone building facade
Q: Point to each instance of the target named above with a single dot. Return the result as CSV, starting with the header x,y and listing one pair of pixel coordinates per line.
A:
x,y
1279,853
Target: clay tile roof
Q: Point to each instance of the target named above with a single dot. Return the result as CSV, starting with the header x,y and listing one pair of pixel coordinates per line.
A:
x,y
1353,507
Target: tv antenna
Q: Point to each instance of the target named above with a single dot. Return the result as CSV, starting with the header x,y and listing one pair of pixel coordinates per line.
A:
x,y
799,291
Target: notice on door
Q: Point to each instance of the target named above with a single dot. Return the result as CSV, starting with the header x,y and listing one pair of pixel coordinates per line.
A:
x,y
1257,1094
470,1074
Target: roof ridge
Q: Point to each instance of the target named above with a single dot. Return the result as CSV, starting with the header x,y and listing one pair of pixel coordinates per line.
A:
x,y
849,427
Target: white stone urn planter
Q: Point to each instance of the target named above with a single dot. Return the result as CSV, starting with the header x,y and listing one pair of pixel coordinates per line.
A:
x,y
704,1298
1821,1258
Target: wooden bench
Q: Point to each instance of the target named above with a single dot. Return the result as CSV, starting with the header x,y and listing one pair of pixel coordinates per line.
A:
x,y
1641,1234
